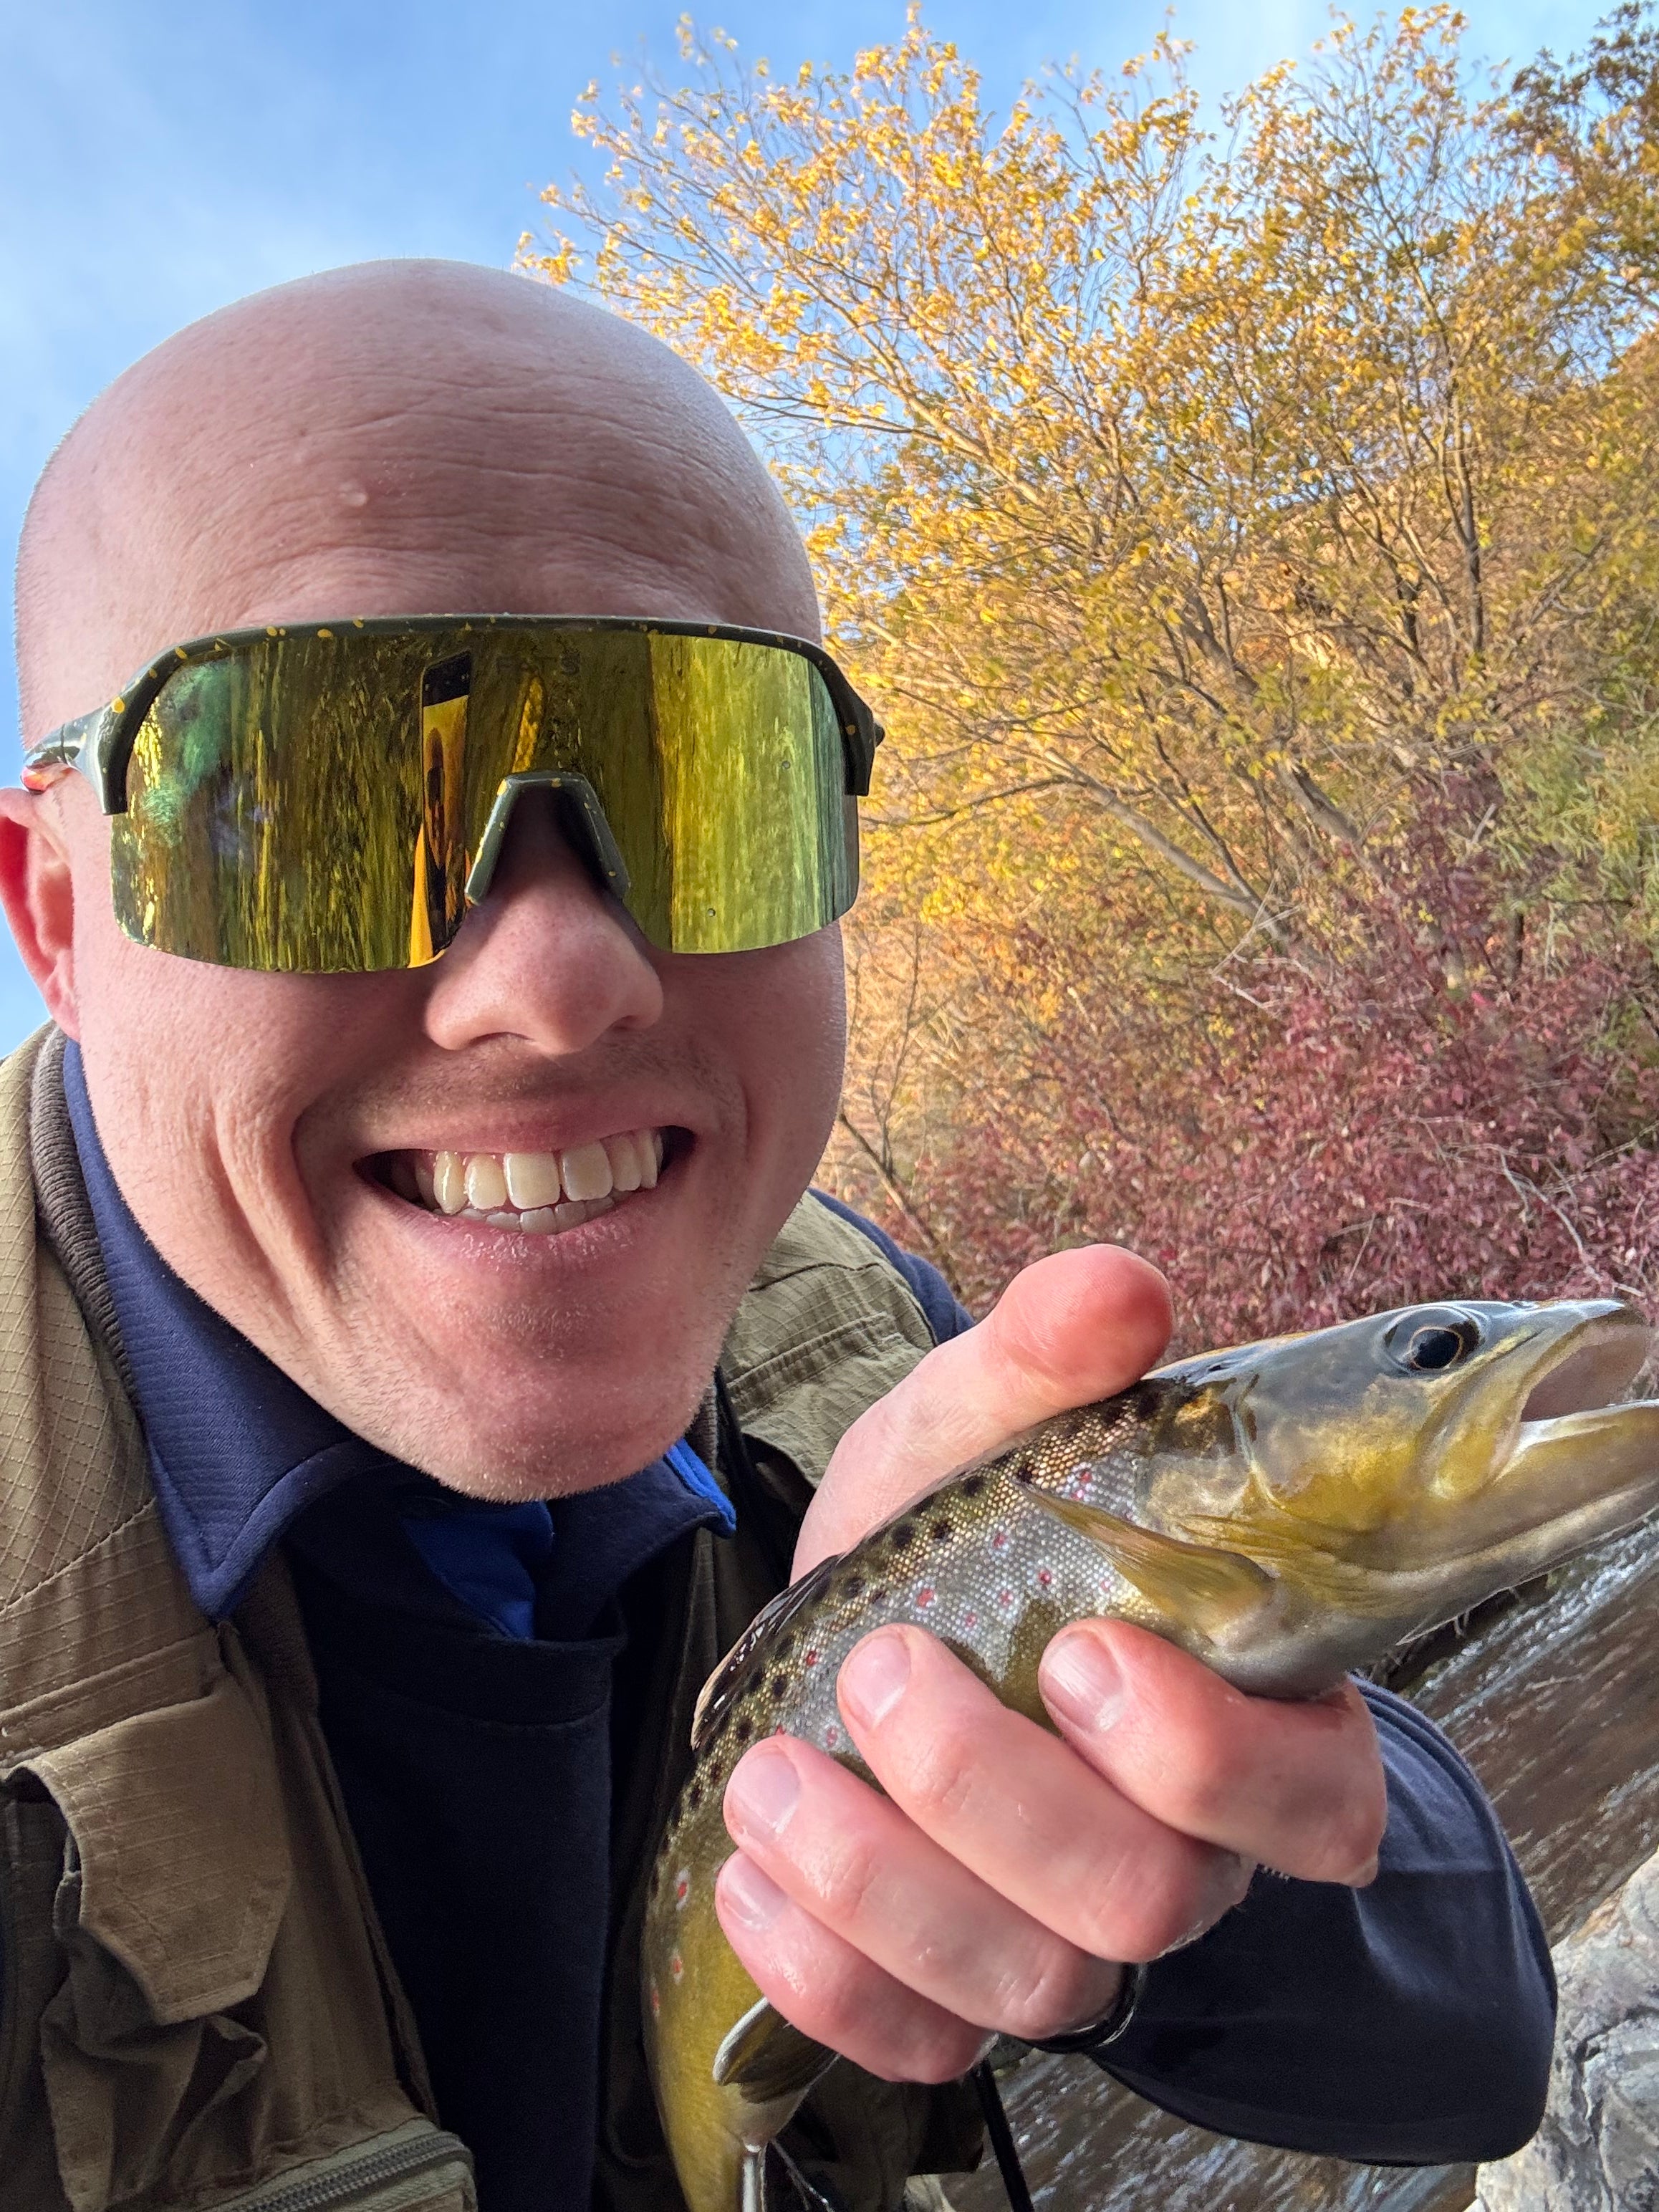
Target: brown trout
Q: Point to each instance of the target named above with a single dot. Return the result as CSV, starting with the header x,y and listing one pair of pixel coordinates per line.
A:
x,y
1286,1512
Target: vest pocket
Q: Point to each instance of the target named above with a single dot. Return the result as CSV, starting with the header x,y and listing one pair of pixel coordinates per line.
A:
x,y
415,2168
186,1968
175,1872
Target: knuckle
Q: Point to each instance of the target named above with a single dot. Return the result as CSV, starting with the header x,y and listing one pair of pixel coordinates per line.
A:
x,y
940,1779
1148,1904
1346,1838
1051,1991
933,2051
1206,1789
843,1879
837,2000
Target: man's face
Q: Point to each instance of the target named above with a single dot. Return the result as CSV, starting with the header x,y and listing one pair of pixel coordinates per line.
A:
x,y
275,1135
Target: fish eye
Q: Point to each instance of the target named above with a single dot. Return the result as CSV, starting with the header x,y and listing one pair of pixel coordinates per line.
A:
x,y
1429,1343
1431,1349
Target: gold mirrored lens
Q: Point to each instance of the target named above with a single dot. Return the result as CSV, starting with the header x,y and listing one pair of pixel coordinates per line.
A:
x,y
315,801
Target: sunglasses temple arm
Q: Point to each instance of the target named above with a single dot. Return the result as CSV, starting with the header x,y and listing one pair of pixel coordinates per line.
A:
x,y
77,744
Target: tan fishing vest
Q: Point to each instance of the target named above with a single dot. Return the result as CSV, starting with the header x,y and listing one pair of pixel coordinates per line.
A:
x,y
197,2007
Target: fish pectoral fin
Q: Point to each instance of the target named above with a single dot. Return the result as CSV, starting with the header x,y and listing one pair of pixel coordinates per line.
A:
x,y
767,2059
1198,1583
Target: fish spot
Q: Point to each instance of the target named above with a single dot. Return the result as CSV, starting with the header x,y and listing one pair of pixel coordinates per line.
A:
x,y
904,1534
1006,1598
677,1967
998,1539
694,1795
779,1683
973,1486
852,1587
744,1730
925,1595
810,1658
831,1735
656,2001
682,1889
941,1530
971,1620
1045,1578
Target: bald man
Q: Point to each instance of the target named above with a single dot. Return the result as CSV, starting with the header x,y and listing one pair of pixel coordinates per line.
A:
x,y
423,1351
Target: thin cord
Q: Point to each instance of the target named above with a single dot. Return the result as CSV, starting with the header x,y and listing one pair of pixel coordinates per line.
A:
x,y
1002,2138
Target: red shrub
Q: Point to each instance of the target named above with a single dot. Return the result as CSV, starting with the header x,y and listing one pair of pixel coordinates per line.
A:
x,y
1453,1110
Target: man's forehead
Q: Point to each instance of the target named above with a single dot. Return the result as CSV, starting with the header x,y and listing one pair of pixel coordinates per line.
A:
x,y
404,438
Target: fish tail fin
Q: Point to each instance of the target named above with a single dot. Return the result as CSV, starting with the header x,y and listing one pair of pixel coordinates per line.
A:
x,y
765,2058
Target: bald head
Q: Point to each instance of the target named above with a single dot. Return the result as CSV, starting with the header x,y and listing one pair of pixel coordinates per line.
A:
x,y
407,437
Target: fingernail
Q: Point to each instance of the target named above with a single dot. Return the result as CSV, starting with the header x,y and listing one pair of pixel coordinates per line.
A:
x,y
765,1790
749,1895
1081,1681
875,1678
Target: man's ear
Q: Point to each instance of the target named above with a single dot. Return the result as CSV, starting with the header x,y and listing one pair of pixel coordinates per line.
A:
x,y
37,893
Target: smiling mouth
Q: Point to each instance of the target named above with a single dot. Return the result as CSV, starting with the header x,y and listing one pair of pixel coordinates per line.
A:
x,y
529,1193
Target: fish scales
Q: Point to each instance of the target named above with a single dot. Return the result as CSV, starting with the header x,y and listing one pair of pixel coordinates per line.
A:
x,y
1264,1508
975,1562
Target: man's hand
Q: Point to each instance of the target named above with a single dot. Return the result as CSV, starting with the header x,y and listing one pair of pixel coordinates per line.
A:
x,y
1007,1873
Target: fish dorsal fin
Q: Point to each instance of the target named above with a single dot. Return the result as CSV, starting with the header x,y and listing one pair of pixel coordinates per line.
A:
x,y
766,2059
1200,1584
717,1693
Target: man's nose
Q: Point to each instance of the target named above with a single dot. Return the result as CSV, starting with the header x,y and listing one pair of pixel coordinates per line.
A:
x,y
548,956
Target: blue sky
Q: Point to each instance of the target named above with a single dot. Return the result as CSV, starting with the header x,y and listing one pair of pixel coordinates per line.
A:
x,y
163,156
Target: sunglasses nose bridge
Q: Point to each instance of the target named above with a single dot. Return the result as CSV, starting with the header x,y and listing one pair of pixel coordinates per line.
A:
x,y
582,816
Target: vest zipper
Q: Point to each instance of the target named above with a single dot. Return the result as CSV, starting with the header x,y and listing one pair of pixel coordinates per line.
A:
x,y
394,2162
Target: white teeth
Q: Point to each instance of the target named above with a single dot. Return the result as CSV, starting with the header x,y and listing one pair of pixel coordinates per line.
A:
x,y
449,1182
486,1186
625,1159
584,1171
535,1192
532,1179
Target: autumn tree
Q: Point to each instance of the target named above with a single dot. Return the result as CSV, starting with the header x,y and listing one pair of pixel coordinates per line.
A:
x,y
1238,533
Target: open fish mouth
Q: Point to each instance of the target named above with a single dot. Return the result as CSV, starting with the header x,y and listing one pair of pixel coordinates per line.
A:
x,y
1578,1461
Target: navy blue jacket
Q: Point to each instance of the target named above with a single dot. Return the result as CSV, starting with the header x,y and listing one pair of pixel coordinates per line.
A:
x,y
466,1655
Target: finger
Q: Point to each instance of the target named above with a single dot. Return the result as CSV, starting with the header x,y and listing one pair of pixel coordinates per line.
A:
x,y
831,1991
1020,1809
1070,1329
1300,1786
864,1872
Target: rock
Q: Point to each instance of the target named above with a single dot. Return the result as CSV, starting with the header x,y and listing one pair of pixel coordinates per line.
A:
x,y
1598,2147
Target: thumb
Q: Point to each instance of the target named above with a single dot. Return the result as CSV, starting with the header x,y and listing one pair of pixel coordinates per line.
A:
x,y
1076,1327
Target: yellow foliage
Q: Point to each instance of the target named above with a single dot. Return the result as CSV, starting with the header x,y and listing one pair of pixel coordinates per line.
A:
x,y
1187,503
